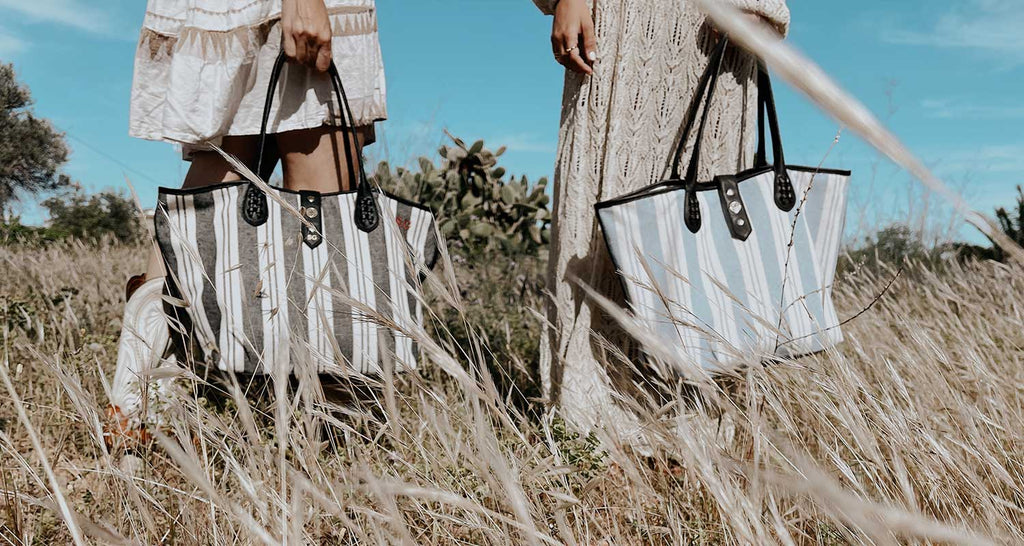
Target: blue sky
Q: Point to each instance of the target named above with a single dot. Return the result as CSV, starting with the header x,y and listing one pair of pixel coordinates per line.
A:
x,y
947,77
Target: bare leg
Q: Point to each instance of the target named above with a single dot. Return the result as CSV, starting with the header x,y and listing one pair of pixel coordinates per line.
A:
x,y
210,168
315,159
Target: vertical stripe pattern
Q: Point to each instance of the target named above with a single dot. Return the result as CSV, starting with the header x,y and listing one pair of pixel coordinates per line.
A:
x,y
258,296
341,306
228,280
730,301
360,284
272,293
181,240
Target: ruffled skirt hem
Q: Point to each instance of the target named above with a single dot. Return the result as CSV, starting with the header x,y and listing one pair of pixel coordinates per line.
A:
x,y
193,85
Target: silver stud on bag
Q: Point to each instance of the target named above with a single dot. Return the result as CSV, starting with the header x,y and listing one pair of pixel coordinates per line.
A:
x,y
741,222
312,237
730,192
735,207
311,212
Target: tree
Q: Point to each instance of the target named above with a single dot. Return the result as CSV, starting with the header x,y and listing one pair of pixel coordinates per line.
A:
x,y
31,150
92,217
893,246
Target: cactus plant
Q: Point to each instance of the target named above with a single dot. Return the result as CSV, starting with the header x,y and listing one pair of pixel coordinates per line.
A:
x,y
479,210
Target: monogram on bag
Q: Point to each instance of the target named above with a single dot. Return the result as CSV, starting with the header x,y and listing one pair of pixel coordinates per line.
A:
x,y
328,278
739,268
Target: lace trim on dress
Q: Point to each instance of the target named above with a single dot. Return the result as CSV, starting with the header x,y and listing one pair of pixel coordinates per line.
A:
x,y
330,11
345,21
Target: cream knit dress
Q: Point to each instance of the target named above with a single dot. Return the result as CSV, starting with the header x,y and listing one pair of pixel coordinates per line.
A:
x,y
202,69
618,130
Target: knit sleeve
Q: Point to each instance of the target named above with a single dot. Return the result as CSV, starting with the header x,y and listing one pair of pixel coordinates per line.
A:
x,y
775,12
547,6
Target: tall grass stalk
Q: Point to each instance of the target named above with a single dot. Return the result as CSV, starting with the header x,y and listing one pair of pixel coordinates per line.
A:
x,y
908,433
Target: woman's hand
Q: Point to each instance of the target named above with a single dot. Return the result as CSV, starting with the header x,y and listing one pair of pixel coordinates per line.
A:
x,y
572,36
307,32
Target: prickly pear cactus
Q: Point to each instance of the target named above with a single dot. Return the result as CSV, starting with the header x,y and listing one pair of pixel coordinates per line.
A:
x,y
478,208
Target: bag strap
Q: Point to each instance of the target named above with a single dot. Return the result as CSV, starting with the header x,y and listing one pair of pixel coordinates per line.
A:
x,y
705,86
705,90
367,216
785,196
254,204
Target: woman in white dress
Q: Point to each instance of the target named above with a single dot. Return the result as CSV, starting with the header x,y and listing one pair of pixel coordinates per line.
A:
x,y
633,67
201,74
202,68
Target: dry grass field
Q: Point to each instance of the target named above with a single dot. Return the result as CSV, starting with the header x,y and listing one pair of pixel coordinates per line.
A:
x,y
912,432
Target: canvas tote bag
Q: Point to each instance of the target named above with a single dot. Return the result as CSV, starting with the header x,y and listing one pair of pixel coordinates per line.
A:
x,y
260,287
735,269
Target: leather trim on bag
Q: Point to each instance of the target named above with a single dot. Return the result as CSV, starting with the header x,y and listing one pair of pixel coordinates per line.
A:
x,y
742,176
225,185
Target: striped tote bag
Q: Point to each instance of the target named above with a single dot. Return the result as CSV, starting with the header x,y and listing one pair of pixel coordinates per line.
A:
x,y
271,277
738,269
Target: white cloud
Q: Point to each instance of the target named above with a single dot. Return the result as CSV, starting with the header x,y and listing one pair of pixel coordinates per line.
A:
x,y
72,13
958,109
10,44
993,26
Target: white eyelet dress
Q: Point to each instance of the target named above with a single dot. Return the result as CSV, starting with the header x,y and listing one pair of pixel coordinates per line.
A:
x,y
202,68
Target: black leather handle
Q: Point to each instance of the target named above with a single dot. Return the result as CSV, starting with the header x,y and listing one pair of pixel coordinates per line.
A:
x,y
785,196
366,212
705,90
254,204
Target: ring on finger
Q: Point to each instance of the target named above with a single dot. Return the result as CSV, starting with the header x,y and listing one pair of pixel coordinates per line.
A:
x,y
565,53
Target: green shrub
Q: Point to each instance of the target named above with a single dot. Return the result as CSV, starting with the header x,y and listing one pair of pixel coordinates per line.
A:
x,y
93,217
74,215
14,232
503,299
895,246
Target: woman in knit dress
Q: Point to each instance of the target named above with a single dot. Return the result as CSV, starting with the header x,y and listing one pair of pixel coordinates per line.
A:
x,y
202,68
632,69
